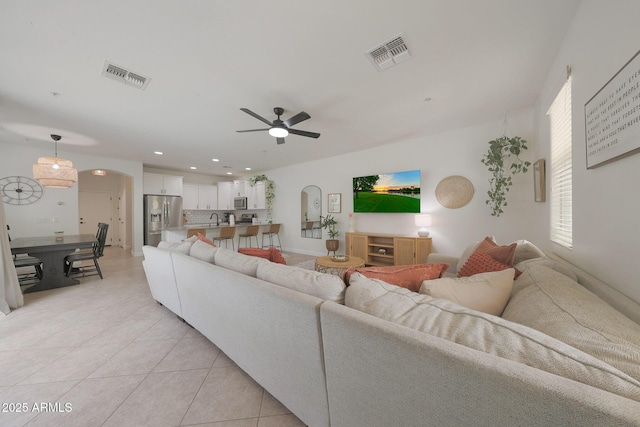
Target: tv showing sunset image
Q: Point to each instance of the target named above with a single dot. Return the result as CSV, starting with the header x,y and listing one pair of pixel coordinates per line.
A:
x,y
389,192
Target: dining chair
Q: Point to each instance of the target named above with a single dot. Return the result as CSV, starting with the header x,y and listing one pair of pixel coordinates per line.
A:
x,y
226,234
273,231
93,254
252,231
24,260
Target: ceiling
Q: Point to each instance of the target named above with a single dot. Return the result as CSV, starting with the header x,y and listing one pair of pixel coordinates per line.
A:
x,y
471,61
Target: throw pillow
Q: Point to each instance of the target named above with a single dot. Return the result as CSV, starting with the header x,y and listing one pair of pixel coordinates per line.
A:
x,y
406,276
480,262
205,239
482,332
486,292
526,250
272,254
503,254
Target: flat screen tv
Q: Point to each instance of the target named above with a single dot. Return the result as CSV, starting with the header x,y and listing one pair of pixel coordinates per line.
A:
x,y
388,192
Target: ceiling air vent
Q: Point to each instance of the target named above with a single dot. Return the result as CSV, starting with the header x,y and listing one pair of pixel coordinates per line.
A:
x,y
389,53
123,76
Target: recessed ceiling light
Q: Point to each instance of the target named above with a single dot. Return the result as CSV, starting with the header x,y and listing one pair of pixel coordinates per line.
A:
x,y
159,153
193,168
229,173
215,160
247,169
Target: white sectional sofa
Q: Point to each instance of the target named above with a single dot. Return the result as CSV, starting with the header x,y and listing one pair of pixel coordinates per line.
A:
x,y
377,362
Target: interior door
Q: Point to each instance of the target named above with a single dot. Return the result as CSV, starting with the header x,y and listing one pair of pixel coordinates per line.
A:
x,y
95,207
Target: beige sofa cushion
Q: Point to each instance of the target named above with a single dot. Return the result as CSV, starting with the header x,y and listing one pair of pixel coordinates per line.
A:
x,y
560,307
526,250
203,251
183,247
235,261
486,292
486,333
321,285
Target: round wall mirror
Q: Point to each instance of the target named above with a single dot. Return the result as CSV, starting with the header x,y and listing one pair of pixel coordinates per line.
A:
x,y
310,211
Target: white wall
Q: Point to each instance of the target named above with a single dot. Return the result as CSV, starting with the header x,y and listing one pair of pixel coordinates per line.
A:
x,y
438,156
58,208
606,200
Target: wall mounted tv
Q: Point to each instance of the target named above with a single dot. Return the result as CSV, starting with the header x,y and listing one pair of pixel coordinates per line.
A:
x,y
388,192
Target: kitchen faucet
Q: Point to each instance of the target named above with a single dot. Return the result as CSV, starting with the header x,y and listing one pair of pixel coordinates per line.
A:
x,y
217,219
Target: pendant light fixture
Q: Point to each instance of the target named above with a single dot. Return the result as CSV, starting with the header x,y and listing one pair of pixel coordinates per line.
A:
x,y
55,172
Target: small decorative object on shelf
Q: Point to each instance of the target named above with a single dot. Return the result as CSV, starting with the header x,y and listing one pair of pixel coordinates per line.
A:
x,y
382,251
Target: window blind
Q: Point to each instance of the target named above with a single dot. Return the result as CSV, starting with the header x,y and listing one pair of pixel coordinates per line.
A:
x,y
561,164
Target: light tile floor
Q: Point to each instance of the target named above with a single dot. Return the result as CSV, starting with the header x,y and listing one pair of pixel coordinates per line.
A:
x,y
115,357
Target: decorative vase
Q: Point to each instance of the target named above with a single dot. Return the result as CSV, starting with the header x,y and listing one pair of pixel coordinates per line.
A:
x,y
332,246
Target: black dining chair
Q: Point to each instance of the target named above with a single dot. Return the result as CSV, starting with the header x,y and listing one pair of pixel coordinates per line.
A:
x,y
93,254
23,260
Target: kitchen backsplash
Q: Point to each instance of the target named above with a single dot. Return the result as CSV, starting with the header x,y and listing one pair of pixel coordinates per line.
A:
x,y
202,217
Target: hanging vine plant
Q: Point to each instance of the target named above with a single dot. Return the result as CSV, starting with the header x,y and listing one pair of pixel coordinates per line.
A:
x,y
270,193
500,151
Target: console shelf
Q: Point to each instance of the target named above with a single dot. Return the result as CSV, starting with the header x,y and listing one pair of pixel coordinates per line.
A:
x,y
388,249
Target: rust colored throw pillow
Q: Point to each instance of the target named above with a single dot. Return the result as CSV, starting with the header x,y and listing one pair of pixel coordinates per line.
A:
x,y
503,254
206,239
271,254
276,256
480,262
405,276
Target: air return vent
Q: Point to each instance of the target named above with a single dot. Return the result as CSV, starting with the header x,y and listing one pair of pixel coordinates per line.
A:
x,y
124,76
390,53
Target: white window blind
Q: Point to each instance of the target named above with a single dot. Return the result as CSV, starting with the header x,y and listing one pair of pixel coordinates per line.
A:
x,y
561,175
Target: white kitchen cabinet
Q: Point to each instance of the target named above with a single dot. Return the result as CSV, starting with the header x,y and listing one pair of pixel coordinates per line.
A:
x,y
207,197
239,188
166,185
225,197
190,197
256,196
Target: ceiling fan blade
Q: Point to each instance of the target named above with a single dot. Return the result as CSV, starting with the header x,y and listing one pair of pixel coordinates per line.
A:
x,y
251,130
251,113
304,133
280,140
300,117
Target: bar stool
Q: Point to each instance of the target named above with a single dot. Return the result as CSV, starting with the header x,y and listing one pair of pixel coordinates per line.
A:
x,y
252,231
195,231
226,233
274,229
308,227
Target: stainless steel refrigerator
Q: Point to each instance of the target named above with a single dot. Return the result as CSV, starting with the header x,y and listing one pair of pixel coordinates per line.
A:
x,y
160,213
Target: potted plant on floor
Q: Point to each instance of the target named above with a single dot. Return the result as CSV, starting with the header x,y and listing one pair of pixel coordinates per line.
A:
x,y
329,223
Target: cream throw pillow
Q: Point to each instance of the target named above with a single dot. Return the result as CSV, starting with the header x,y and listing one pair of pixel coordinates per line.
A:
x,y
486,333
486,292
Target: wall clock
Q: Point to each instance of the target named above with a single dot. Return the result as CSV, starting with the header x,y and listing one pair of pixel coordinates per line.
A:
x,y
19,190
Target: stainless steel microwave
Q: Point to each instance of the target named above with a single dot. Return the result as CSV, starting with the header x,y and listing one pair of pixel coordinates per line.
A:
x,y
240,203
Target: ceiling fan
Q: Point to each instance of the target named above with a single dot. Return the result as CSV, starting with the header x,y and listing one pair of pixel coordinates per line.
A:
x,y
279,128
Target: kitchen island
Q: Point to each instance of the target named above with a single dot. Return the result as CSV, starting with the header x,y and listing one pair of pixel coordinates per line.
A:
x,y
178,234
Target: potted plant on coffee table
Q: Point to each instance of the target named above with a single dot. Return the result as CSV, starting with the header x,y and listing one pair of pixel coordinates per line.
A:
x,y
329,223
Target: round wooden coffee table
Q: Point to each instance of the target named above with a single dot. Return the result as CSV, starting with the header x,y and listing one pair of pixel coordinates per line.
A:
x,y
325,264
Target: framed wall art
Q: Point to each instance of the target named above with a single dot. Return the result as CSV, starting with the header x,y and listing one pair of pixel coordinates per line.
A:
x,y
335,203
539,194
612,117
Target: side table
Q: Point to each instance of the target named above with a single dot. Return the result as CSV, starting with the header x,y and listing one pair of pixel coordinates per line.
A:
x,y
325,264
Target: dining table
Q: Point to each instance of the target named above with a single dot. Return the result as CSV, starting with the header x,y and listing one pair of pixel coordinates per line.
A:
x,y
52,250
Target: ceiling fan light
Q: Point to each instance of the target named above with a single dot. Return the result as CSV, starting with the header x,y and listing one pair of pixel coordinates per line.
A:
x,y
278,132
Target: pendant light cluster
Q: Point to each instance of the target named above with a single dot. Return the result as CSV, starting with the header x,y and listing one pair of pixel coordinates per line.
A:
x,y
55,172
